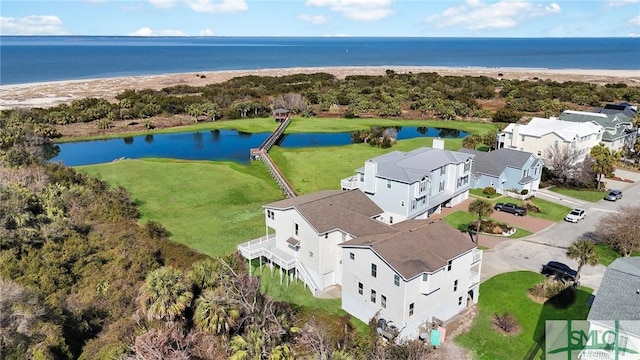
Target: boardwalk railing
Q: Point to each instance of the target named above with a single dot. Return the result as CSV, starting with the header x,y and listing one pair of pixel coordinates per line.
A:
x,y
262,153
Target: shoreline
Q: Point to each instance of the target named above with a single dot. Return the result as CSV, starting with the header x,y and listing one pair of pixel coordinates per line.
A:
x,y
52,93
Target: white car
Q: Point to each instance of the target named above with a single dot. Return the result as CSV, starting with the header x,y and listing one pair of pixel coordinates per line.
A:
x,y
575,215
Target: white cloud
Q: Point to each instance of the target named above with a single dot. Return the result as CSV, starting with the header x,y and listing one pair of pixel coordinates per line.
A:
x,y
613,3
32,25
206,32
147,31
361,10
204,6
163,4
314,19
476,15
634,21
215,7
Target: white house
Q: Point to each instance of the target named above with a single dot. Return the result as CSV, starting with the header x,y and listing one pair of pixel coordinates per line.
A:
x,y
415,184
426,271
619,132
302,234
540,134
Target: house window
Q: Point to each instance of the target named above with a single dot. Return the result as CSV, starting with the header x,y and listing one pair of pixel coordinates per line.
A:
x,y
396,280
352,256
442,185
460,301
402,203
539,152
443,170
467,166
449,263
411,308
425,277
413,204
361,177
390,219
360,288
423,200
373,296
423,185
344,237
455,286
388,184
326,236
383,301
310,254
374,270
295,228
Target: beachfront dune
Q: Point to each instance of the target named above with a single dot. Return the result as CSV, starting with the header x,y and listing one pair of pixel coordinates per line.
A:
x,y
53,93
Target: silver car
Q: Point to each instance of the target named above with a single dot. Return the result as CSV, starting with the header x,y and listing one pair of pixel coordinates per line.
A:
x,y
613,195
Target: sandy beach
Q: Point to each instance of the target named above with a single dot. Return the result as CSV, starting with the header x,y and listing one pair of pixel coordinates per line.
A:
x,y
52,93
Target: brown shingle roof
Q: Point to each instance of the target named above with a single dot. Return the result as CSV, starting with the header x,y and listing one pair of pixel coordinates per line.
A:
x,y
327,210
418,246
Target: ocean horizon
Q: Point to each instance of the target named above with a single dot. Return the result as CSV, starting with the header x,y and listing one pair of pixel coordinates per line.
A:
x,y
32,59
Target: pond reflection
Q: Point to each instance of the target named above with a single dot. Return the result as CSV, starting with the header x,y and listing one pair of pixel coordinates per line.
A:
x,y
224,145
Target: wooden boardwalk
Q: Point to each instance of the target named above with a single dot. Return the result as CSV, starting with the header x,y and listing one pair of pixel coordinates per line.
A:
x,y
262,154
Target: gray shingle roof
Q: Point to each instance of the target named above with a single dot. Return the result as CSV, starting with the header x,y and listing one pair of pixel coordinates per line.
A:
x,y
617,297
417,246
615,125
409,167
351,211
495,162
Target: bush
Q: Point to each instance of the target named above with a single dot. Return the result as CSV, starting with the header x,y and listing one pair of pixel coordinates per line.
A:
x,y
531,208
507,115
548,288
524,192
489,190
505,322
156,230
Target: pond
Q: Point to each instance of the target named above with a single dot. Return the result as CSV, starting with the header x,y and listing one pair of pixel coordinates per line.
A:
x,y
215,145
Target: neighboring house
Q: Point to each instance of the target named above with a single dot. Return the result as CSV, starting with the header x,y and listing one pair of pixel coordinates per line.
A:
x,y
619,133
505,170
617,299
540,135
415,184
625,108
425,272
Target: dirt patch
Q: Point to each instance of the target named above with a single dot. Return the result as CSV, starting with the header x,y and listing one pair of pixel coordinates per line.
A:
x,y
459,325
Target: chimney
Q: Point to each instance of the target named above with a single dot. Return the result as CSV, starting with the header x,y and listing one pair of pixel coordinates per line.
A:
x,y
438,143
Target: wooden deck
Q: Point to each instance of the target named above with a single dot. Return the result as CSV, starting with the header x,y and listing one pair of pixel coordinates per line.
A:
x,y
262,154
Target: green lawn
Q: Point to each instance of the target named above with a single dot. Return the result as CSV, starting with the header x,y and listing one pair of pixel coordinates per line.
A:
x,y
460,219
210,207
586,195
508,292
549,210
608,255
318,168
479,193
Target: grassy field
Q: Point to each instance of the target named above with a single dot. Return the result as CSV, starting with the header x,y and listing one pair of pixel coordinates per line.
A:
x,y
608,255
298,125
313,169
210,207
586,195
508,292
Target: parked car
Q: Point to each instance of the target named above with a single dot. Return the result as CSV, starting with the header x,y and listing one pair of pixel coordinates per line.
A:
x,y
559,270
575,215
614,195
511,208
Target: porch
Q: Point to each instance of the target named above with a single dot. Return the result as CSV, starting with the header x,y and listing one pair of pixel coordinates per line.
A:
x,y
266,249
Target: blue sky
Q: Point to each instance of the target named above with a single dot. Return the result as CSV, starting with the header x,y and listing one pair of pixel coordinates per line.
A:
x,y
424,18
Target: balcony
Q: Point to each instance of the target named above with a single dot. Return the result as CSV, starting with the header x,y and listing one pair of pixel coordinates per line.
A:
x,y
349,183
474,278
477,256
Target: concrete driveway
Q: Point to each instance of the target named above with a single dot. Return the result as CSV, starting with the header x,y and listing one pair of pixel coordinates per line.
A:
x,y
550,240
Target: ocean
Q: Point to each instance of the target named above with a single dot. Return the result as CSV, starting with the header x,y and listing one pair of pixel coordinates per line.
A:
x,y
27,59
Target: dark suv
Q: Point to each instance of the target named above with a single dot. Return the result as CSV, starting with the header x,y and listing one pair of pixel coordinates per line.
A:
x,y
559,270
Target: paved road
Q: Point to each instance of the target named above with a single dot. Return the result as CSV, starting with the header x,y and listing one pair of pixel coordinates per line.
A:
x,y
550,244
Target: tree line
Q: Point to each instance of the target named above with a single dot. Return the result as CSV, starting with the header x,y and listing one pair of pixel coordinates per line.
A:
x,y
392,95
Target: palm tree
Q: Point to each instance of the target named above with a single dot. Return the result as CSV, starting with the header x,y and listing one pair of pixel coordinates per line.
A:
x,y
483,209
281,352
249,348
165,294
584,251
213,313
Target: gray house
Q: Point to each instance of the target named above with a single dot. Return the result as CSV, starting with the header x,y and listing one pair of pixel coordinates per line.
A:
x,y
505,170
412,185
618,134
617,306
